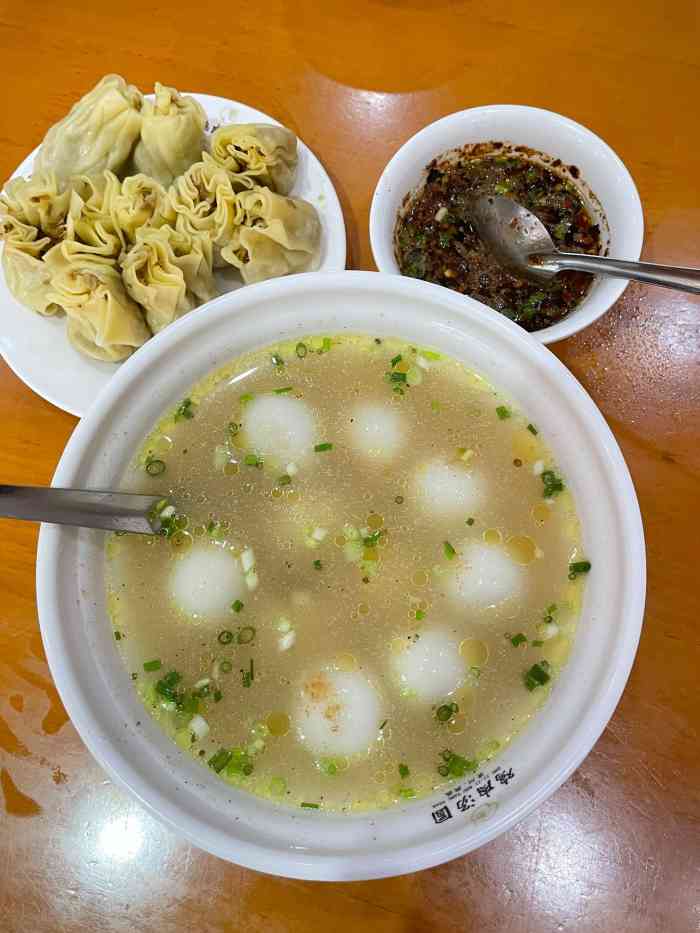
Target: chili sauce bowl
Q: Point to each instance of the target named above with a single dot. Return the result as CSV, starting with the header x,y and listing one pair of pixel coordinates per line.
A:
x,y
604,183
97,690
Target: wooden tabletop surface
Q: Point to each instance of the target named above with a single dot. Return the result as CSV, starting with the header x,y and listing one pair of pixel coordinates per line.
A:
x,y
618,846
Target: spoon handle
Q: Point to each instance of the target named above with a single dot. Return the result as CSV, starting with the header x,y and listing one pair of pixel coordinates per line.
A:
x,y
686,280
112,511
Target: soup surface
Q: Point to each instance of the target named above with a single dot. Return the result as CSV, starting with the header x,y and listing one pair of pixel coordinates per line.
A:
x,y
367,578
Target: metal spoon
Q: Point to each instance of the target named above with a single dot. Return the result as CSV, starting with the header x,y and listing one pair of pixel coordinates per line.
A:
x,y
521,243
112,511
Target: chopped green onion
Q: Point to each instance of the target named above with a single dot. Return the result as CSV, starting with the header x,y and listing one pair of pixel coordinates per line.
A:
x,y
553,484
420,615
219,760
319,448
325,347
246,397
406,792
396,377
446,712
503,412
237,605
310,806
537,643
579,566
134,675
373,539
397,359
404,770
233,428
301,350
532,429
444,770
431,354
225,637
253,460
318,565
283,390
184,410
218,696
154,665
518,639
470,521
155,467
449,550
225,666
246,635
284,480
501,188
277,360
118,636
538,675
383,724
249,675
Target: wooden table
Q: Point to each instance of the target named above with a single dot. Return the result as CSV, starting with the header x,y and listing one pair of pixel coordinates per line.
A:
x,y
618,846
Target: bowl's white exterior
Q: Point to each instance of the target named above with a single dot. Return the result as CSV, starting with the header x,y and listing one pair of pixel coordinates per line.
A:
x,y
548,132
96,689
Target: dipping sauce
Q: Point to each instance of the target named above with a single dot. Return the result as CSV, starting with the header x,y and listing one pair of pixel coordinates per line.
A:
x,y
435,240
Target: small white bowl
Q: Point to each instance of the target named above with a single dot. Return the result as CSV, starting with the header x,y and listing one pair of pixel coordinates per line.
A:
x,y
601,170
97,690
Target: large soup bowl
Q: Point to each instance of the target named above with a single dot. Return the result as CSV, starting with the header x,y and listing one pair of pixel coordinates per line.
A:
x,y
96,688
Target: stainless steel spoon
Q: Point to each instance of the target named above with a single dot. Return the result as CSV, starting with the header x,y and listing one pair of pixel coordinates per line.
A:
x,y
521,243
111,511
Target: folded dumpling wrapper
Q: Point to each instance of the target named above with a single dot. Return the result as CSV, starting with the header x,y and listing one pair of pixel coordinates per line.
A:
x,y
257,154
205,202
279,235
90,227
139,202
102,321
168,273
98,133
172,129
27,275
39,201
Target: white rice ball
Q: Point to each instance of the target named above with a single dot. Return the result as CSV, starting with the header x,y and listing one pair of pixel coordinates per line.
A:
x,y
485,576
447,489
279,426
338,713
376,430
206,581
430,666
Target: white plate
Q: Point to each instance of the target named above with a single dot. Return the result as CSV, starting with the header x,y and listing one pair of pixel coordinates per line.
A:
x,y
37,348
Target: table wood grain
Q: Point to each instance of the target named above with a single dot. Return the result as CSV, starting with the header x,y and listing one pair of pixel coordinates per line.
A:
x,y
618,846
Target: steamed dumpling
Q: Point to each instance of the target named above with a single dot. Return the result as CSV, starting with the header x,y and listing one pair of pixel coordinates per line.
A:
x,y
430,666
171,135
257,154
280,427
38,201
447,489
485,576
206,580
168,273
103,322
205,202
338,713
138,202
27,275
376,430
98,133
90,229
279,235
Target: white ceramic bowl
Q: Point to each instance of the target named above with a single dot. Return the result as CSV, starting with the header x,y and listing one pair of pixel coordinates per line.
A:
x,y
98,693
548,132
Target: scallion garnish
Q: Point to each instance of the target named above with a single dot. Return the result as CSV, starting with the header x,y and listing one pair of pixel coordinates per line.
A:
x,y
154,665
503,412
219,760
134,675
383,724
420,615
396,377
318,565
118,636
246,635
537,643
310,806
225,666
237,605
404,770
455,765
518,639
448,550
579,566
470,521
319,448
225,637
218,696
397,359
301,350
184,410
532,429
445,712
538,675
283,390
246,397
326,345
284,480
154,467
406,792
249,675
253,460
553,484
233,428
277,360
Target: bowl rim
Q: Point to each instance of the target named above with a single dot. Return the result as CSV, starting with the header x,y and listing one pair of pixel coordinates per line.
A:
x,y
382,251
300,864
